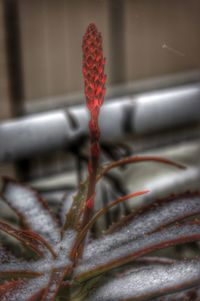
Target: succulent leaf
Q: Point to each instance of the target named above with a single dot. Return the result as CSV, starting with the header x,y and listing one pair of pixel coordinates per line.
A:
x,y
22,290
101,256
158,214
149,282
28,238
32,209
99,213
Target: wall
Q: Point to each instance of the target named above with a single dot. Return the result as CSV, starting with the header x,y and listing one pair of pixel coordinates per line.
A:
x,y
156,37
161,37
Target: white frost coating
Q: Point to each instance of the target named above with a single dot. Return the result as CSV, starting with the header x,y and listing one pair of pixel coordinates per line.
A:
x,y
149,282
53,284
62,249
65,246
99,254
24,266
25,291
44,266
25,201
41,266
142,224
60,263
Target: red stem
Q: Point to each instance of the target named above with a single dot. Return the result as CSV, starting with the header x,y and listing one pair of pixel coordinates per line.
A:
x,y
94,78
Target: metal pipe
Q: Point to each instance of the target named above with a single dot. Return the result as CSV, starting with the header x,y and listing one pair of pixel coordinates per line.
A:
x,y
143,114
167,109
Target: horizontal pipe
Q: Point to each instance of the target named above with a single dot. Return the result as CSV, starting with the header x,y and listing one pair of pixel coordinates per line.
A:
x,y
167,109
143,114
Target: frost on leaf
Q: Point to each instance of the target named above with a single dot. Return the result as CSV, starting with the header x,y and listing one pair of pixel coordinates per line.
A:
x,y
100,257
32,209
151,218
28,238
53,268
22,290
43,233
149,282
21,268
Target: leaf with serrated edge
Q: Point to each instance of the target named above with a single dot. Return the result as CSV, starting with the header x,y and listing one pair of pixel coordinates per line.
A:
x,y
22,290
61,266
99,257
28,238
34,210
150,219
154,216
55,268
98,214
148,282
72,215
21,268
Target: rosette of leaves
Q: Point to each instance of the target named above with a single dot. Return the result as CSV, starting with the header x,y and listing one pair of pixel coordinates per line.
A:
x,y
112,266
69,264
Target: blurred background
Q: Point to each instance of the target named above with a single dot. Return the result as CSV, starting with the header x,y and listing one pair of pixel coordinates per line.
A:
x,y
153,90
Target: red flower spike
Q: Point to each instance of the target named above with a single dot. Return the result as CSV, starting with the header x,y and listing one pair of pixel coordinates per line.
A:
x,y
94,79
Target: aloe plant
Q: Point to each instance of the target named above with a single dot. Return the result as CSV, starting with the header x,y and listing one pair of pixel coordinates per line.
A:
x,y
67,262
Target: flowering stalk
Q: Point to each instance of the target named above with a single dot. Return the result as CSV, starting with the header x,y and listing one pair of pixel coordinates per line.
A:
x,y
94,79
